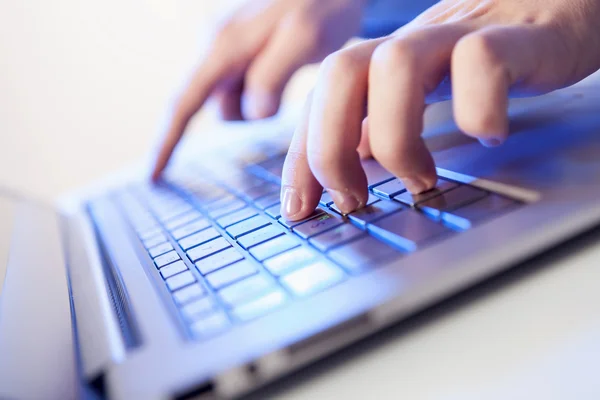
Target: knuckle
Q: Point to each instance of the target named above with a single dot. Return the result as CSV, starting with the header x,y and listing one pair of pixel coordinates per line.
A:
x,y
396,53
342,63
305,29
476,48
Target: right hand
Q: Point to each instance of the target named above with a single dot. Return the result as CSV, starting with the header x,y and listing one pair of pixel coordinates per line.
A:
x,y
253,56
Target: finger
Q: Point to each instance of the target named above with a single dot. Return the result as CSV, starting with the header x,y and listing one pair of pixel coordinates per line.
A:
x,y
403,71
335,125
216,67
490,62
364,147
291,46
300,191
228,101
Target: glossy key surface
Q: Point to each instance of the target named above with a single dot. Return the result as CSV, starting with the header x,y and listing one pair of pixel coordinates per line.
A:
x,y
374,212
413,199
452,200
260,306
317,225
199,238
218,260
259,236
166,259
245,290
210,325
273,247
231,273
312,278
336,236
180,280
188,229
390,188
236,217
207,249
362,254
289,260
160,249
188,293
173,269
406,229
247,226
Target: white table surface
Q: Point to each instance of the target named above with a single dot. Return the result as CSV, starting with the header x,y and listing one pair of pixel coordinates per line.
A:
x,y
83,86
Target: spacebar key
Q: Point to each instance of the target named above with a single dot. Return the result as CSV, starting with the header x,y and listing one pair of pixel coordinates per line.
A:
x,y
406,229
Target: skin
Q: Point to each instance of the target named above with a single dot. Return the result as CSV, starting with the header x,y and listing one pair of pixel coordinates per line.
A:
x,y
253,56
370,98
482,51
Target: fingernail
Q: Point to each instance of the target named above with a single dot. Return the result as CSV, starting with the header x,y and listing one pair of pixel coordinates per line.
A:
x,y
414,185
345,201
258,105
493,142
291,204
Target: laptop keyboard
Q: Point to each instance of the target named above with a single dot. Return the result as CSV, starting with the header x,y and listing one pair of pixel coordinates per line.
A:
x,y
225,255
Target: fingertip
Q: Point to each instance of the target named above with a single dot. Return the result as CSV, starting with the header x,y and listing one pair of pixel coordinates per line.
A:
x,y
259,105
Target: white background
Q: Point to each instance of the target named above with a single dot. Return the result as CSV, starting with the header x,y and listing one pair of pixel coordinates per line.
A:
x,y
83,87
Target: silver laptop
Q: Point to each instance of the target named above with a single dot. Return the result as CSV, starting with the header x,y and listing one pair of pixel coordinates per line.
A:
x,y
196,288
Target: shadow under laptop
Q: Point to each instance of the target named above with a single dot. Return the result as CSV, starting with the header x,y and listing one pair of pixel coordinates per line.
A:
x,y
411,325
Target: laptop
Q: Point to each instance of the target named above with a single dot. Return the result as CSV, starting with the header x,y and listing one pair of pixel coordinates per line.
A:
x,y
196,288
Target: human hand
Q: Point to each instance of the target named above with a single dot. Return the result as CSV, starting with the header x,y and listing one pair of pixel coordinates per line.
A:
x,y
489,50
253,56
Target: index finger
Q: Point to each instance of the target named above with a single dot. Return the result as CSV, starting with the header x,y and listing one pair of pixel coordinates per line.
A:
x,y
209,74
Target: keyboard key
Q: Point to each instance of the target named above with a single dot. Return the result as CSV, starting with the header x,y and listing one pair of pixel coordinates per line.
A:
x,y
267,201
274,211
313,278
442,186
247,226
236,217
261,306
166,259
198,308
370,200
155,240
260,191
183,219
230,274
190,228
165,213
247,289
289,260
208,248
406,229
199,238
224,201
259,236
291,224
451,200
390,188
339,235
148,233
363,254
219,260
188,293
160,249
172,269
326,199
180,280
210,325
480,210
376,174
273,247
374,212
317,225
233,206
